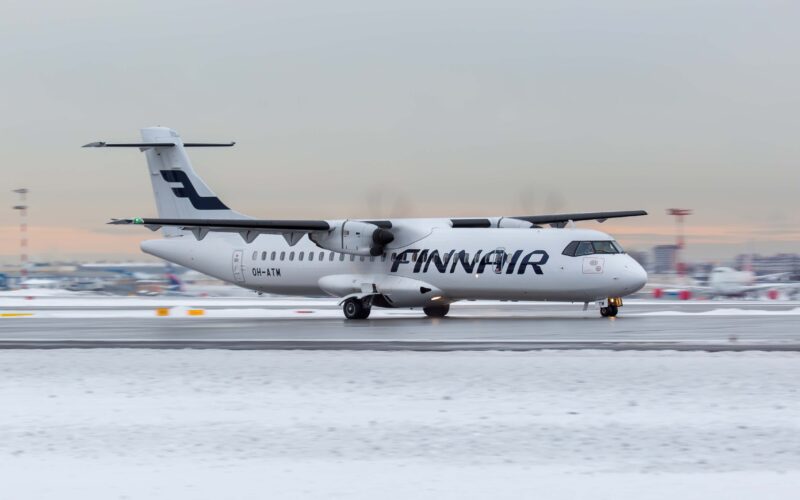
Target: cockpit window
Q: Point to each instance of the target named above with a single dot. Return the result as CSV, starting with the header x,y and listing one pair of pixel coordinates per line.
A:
x,y
604,247
579,248
570,250
584,248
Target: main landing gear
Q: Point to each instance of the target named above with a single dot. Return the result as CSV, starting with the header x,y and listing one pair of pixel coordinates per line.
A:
x,y
609,308
356,308
436,311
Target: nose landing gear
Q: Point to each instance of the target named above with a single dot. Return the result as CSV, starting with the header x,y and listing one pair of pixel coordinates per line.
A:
x,y
609,311
610,308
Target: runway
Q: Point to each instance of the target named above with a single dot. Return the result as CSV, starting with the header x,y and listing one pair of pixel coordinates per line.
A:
x,y
707,326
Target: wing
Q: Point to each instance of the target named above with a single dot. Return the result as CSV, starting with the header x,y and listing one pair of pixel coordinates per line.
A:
x,y
378,231
564,218
771,286
249,229
555,220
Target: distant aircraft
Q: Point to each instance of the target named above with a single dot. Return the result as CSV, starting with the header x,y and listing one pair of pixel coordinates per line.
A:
x,y
394,263
728,282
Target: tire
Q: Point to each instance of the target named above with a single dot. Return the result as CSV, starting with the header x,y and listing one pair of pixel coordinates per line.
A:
x,y
436,311
609,312
355,309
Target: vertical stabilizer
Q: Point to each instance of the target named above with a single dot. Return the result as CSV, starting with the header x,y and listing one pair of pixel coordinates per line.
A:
x,y
180,193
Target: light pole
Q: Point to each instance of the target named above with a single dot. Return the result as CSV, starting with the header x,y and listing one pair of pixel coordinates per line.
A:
x,y
679,214
23,235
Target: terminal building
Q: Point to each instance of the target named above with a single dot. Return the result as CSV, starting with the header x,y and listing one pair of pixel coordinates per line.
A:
x,y
664,258
772,264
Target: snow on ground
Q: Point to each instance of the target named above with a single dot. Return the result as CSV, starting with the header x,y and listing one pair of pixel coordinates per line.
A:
x,y
729,311
99,424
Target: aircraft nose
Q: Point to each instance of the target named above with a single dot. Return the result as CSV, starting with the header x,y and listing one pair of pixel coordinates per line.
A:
x,y
636,276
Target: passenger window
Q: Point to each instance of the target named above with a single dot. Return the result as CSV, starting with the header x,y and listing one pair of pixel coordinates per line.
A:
x,y
331,257
300,257
383,258
255,255
341,257
272,257
283,255
321,256
371,258
584,248
263,255
362,258
394,256
570,250
310,255
291,255
352,258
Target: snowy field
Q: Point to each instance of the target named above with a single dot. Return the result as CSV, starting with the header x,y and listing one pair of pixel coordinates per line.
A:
x,y
151,424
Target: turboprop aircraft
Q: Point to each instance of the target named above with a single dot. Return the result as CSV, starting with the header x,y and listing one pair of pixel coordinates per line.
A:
x,y
393,263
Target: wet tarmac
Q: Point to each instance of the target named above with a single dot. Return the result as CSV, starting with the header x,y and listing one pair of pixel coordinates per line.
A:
x,y
710,326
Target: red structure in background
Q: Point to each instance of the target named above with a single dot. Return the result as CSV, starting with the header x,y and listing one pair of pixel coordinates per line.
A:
x,y
679,214
23,234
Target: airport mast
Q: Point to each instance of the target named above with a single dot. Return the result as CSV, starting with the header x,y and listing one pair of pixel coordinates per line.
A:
x,y
23,234
679,214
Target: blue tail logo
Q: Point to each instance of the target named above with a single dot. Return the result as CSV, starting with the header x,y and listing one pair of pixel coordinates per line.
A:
x,y
187,190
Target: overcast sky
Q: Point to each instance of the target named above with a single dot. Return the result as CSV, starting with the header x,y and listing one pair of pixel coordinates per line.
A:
x,y
359,109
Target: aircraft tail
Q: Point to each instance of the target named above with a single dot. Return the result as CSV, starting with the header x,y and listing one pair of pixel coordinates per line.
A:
x,y
180,193
174,283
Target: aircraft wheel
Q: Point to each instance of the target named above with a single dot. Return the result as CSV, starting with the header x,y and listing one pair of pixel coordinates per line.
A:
x,y
609,312
355,309
436,311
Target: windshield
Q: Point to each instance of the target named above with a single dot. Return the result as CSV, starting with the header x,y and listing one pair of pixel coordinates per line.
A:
x,y
578,248
604,247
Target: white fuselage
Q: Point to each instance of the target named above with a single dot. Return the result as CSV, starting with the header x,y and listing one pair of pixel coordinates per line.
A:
x,y
523,264
726,281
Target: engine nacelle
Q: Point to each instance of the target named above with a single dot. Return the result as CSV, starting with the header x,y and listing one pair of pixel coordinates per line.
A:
x,y
354,237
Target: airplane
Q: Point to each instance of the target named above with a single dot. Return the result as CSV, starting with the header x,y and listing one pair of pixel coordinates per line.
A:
x,y
728,282
390,263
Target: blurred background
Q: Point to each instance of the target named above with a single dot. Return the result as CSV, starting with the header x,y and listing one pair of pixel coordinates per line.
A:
x,y
365,109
